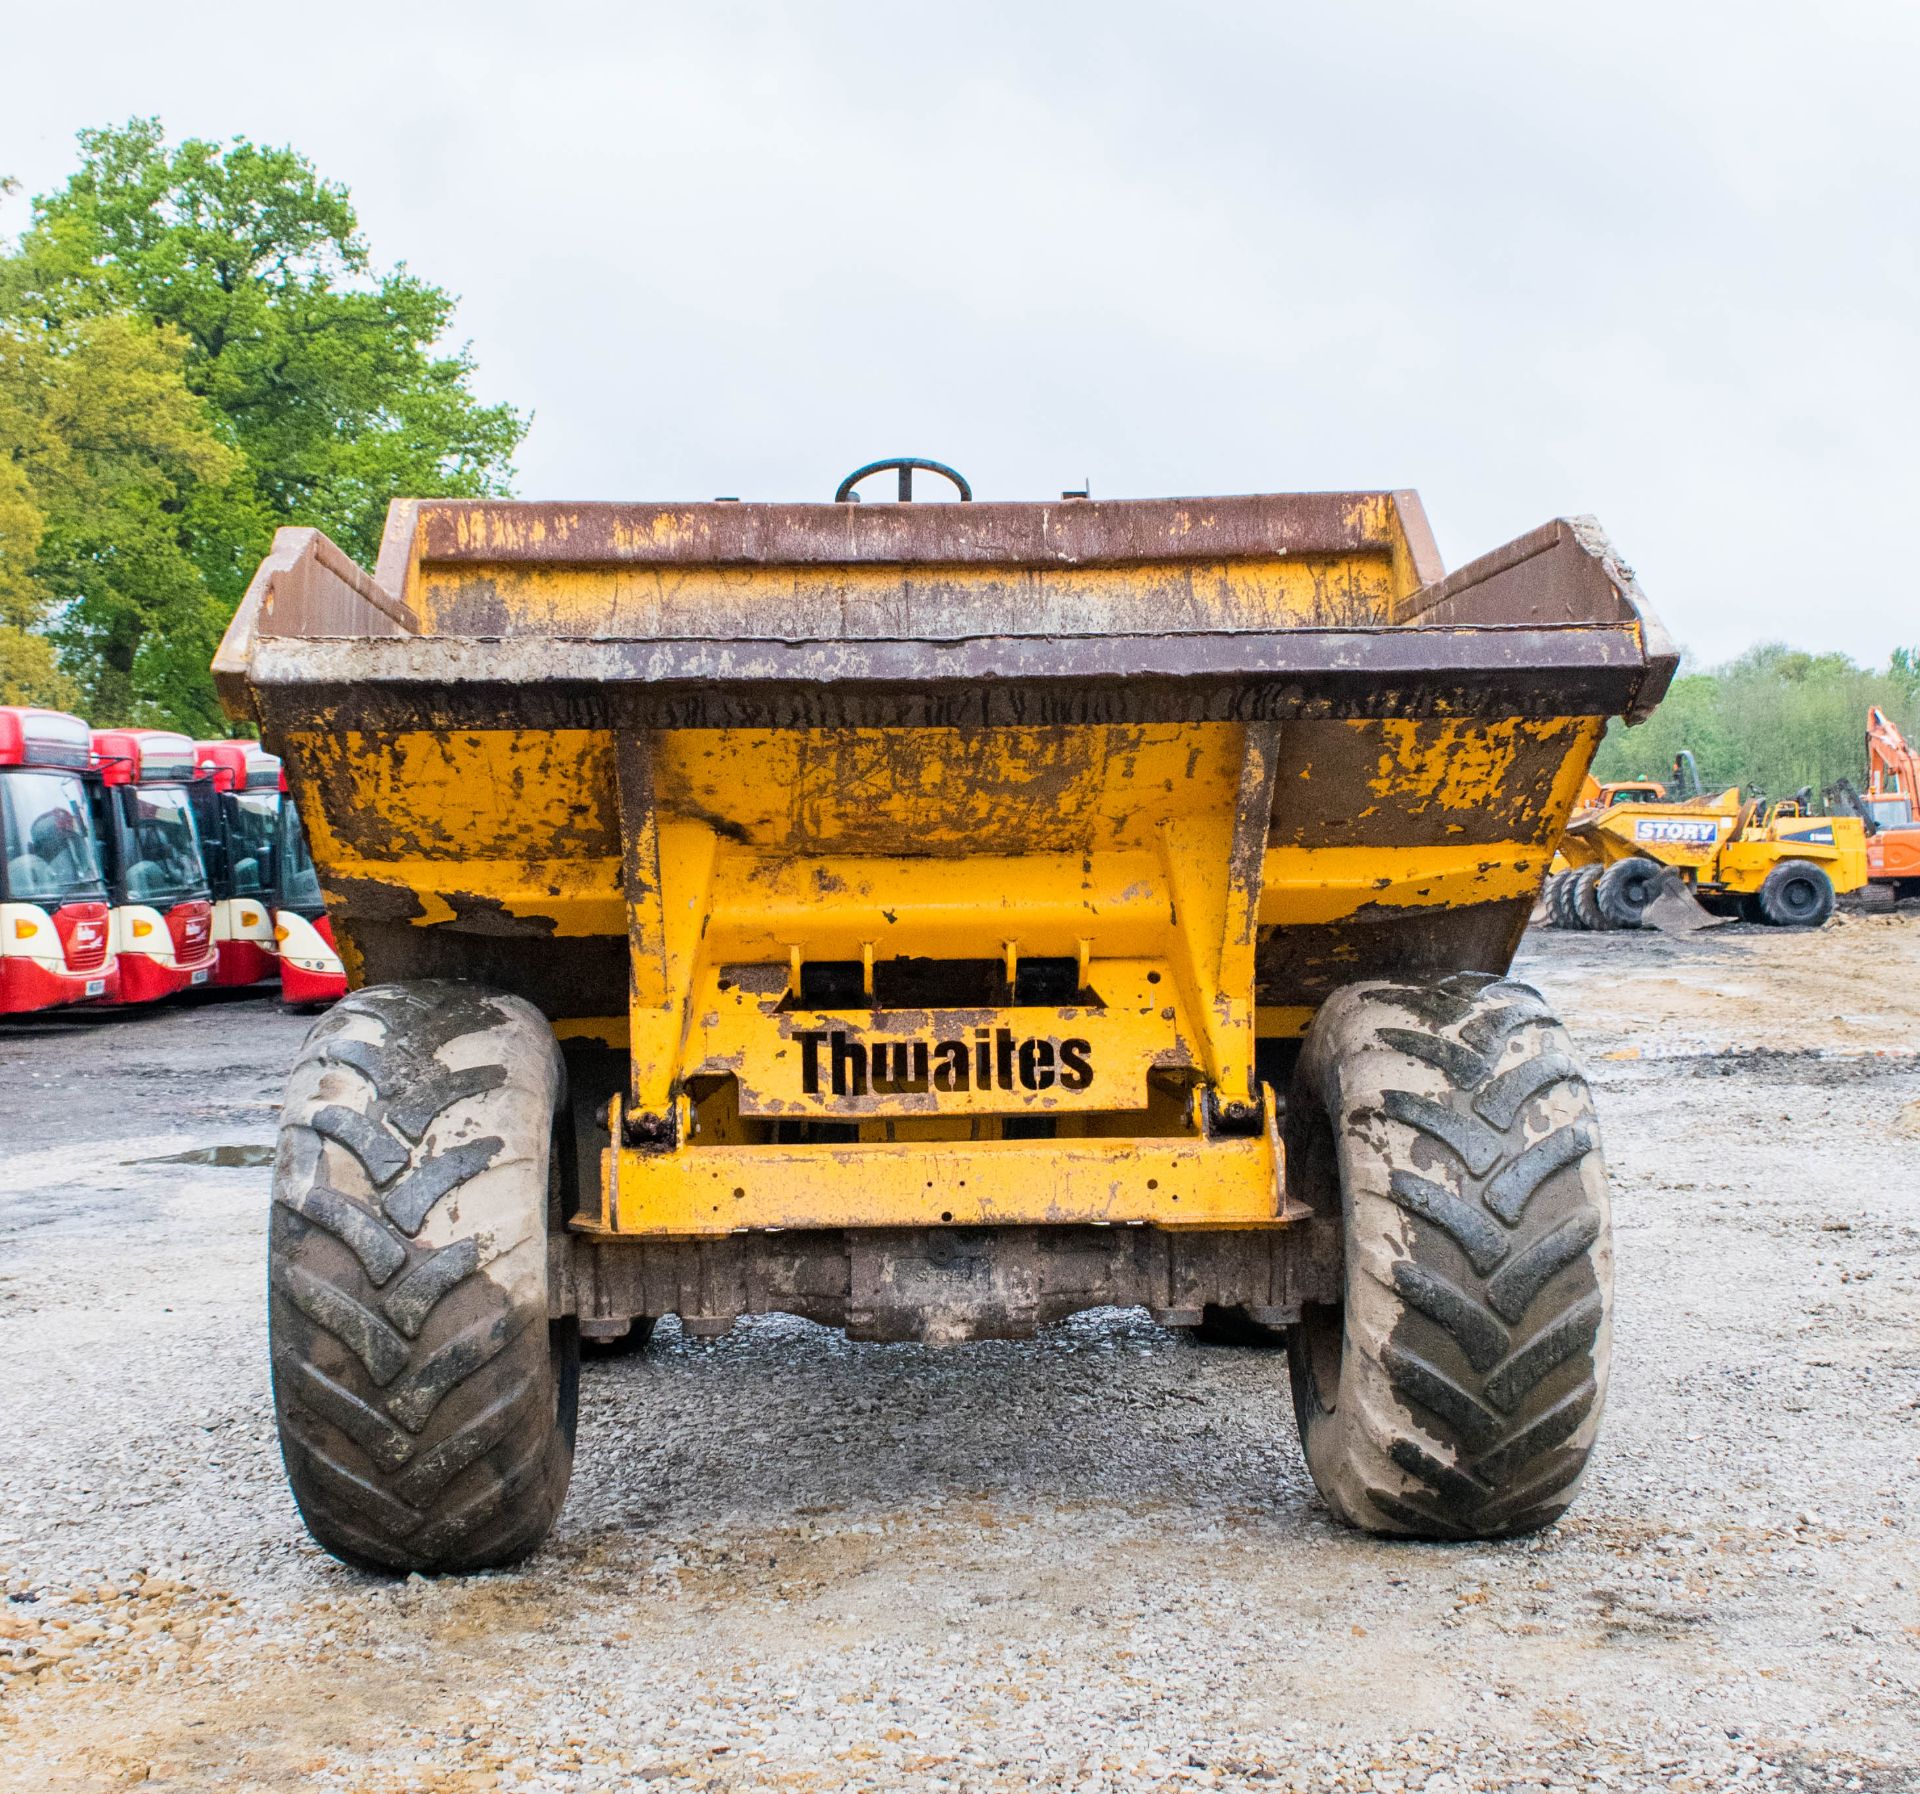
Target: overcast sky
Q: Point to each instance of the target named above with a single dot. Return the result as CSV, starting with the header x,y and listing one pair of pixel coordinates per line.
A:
x,y
1658,262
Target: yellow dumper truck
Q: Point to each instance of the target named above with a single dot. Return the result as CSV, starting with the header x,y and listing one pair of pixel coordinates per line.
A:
x,y
933,920
1776,863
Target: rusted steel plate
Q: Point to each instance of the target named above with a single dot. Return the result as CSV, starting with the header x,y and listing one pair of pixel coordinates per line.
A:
x,y
1076,532
1462,781
936,604
1007,680
950,1284
1544,577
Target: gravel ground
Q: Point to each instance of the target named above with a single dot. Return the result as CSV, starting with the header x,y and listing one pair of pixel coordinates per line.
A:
x,y
1089,1562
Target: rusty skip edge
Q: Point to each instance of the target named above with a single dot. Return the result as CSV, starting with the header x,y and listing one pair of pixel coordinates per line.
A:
x,y
1076,533
1012,682
1551,624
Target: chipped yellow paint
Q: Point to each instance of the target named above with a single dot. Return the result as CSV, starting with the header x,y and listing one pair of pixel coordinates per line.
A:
x,y
672,890
1581,741
658,601
1375,518
991,1183
1458,765
1327,884
435,910
962,791
493,794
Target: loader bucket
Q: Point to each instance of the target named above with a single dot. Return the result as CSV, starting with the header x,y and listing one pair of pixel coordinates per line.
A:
x,y
921,865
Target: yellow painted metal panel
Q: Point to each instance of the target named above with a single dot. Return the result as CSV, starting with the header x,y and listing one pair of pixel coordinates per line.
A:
x,y
963,907
1168,1183
1326,884
823,600
497,794
895,792
1460,765
1178,848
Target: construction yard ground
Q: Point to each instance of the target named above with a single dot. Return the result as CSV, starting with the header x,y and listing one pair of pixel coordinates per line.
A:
x,y
1092,1561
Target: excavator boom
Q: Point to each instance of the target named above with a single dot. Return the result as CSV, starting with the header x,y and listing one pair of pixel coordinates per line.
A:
x,y
1893,801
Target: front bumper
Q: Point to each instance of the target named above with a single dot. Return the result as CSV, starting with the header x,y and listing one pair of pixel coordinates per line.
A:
x,y
697,1191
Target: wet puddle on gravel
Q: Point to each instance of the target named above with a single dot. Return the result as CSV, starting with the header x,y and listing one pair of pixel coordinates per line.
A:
x,y
230,1157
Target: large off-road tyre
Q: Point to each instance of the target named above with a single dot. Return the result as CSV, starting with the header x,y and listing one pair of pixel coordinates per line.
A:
x,y
1583,899
1625,892
1547,887
1456,1391
1795,894
425,1401
1560,899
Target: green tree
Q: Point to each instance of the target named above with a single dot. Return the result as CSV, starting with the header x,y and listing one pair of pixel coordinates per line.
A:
x,y
104,453
323,371
1904,670
1774,720
28,672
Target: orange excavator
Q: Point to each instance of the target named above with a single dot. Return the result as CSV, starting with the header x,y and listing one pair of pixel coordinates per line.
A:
x,y
1892,803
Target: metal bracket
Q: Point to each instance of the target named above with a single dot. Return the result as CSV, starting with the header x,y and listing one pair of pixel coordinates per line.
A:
x,y
669,895
1216,909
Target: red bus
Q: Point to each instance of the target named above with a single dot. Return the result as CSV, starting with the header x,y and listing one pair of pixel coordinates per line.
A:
x,y
156,876
55,927
236,803
310,966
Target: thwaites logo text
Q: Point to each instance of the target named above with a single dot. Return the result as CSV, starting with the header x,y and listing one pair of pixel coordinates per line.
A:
x,y
833,1063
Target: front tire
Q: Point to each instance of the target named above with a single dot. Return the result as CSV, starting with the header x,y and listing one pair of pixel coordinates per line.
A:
x,y
1456,1391
1626,892
425,1401
1795,894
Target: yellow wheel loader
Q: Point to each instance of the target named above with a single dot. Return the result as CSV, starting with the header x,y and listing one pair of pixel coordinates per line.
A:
x,y
934,920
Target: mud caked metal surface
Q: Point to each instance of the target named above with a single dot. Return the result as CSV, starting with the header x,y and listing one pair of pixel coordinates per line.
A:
x,y
930,901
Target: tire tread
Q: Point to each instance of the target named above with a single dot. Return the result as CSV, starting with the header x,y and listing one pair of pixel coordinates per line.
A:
x,y
1484,1329
426,1421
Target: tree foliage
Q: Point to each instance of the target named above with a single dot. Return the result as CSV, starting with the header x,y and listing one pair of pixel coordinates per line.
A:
x,y
1774,720
319,375
106,457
